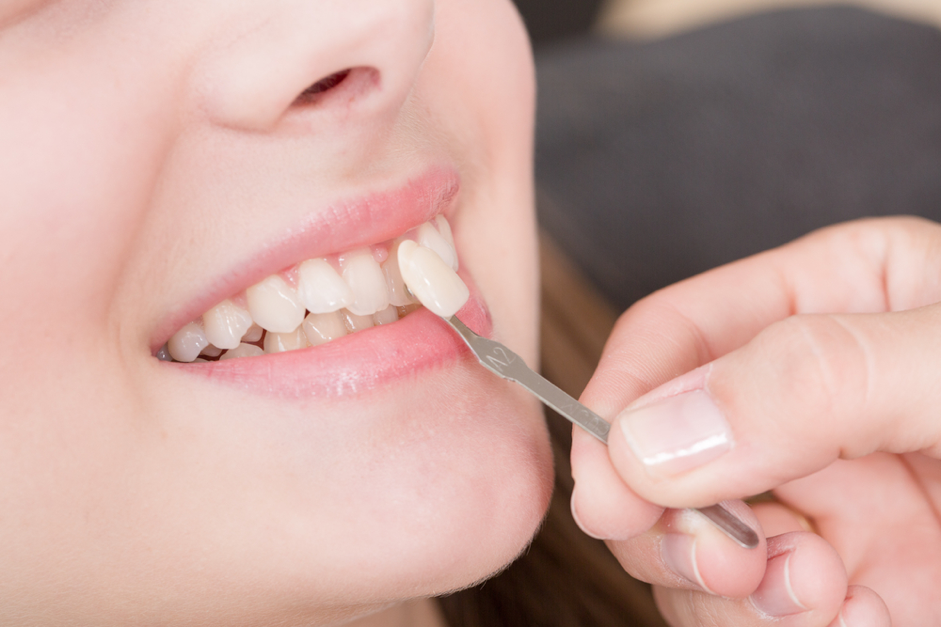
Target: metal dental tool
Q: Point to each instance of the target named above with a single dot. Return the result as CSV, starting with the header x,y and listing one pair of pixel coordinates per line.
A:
x,y
505,363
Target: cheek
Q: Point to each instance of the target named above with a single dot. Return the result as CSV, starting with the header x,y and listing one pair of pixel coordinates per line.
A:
x,y
75,194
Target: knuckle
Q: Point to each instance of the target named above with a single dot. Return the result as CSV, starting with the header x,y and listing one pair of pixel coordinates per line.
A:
x,y
821,363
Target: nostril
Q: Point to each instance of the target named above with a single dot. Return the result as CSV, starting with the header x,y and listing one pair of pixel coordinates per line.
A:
x,y
314,92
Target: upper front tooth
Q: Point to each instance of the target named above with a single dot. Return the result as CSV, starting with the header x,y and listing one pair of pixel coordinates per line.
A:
x,y
429,237
364,276
320,287
274,305
225,324
445,228
433,282
187,343
398,293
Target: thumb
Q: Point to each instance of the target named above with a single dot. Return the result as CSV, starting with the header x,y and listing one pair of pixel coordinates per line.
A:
x,y
804,392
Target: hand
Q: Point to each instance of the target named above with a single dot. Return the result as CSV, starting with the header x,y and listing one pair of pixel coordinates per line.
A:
x,y
813,371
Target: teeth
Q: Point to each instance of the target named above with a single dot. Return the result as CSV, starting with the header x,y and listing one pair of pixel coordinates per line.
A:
x,y
444,227
242,350
429,237
420,268
253,334
320,287
431,280
274,305
225,324
187,343
365,278
356,323
387,315
322,328
211,351
398,293
281,342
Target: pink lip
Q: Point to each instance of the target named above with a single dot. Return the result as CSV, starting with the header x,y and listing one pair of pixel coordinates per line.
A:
x,y
356,363
346,224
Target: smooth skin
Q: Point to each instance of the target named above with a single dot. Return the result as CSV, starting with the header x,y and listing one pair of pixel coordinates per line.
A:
x,y
153,153
822,358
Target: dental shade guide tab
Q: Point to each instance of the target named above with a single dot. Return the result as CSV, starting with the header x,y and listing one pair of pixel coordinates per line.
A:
x,y
506,364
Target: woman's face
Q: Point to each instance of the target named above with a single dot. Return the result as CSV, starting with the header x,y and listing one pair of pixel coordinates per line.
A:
x,y
158,157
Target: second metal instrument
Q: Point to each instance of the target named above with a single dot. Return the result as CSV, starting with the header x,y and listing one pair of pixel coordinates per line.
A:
x,y
505,363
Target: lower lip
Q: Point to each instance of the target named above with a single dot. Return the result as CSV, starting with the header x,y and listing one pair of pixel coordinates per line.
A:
x,y
356,363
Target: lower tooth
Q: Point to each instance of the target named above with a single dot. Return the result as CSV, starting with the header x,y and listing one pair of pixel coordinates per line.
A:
x,y
281,342
187,343
211,351
253,334
242,350
356,323
387,315
321,328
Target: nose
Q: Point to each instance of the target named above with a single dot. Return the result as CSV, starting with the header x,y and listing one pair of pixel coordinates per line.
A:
x,y
317,56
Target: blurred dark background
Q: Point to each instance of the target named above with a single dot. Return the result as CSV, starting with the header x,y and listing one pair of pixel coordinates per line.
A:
x,y
551,20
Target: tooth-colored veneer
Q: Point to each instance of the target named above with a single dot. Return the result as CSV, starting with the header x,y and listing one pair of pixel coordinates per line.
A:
x,y
187,343
431,280
242,350
274,305
321,288
364,276
322,328
225,324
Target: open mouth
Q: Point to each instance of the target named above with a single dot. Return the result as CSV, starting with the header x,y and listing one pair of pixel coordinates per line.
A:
x,y
326,298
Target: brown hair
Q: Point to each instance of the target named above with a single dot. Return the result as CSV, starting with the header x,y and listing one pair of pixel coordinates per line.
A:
x,y
565,578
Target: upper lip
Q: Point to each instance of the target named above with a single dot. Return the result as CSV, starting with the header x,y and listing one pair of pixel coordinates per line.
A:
x,y
343,224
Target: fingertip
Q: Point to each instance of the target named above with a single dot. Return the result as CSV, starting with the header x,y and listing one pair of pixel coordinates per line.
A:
x,y
606,509
863,608
804,574
603,506
720,565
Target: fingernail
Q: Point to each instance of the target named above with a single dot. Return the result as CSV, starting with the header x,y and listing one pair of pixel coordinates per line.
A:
x,y
579,522
678,552
775,595
677,434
